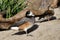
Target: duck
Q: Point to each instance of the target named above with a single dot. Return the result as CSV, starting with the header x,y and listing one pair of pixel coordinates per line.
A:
x,y
25,23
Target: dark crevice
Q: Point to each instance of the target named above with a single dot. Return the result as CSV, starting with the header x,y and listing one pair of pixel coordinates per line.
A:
x,y
58,4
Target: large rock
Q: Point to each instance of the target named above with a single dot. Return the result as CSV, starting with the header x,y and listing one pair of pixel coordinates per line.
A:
x,y
40,6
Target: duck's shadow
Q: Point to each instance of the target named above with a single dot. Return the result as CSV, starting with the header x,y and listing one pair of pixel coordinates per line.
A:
x,y
34,27
4,30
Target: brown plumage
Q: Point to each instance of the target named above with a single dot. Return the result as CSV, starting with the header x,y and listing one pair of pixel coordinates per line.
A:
x,y
25,27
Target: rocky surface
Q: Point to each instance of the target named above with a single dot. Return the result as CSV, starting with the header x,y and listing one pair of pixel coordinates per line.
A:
x,y
49,30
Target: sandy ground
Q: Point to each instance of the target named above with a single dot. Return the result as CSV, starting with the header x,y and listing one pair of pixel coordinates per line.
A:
x,y
49,30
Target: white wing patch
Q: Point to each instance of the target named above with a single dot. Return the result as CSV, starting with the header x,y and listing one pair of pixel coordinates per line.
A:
x,y
15,28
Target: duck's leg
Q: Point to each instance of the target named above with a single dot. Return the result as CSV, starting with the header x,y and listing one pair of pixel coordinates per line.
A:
x,y
26,32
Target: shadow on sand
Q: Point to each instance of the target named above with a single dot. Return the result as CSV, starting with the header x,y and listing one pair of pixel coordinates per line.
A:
x,y
4,29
